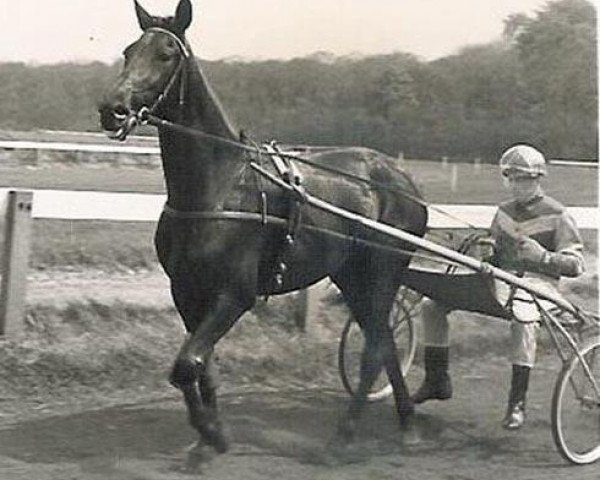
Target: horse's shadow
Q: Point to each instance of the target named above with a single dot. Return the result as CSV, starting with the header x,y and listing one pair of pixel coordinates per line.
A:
x,y
295,425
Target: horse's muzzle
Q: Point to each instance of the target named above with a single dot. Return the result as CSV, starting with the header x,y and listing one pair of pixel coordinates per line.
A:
x,y
116,120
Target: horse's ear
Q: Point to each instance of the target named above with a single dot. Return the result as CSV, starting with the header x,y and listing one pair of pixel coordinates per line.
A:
x,y
183,15
144,18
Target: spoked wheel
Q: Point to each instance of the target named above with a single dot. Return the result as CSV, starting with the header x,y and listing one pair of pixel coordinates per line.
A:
x,y
405,308
352,342
576,406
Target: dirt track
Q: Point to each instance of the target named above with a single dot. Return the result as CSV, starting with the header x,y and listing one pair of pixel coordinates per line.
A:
x,y
279,432
284,434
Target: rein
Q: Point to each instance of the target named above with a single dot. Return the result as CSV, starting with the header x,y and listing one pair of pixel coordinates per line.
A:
x,y
145,117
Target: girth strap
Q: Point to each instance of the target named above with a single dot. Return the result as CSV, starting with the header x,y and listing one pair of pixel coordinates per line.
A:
x,y
223,215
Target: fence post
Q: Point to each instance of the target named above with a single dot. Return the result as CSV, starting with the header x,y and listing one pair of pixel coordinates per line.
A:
x,y
401,158
308,303
454,178
15,260
301,310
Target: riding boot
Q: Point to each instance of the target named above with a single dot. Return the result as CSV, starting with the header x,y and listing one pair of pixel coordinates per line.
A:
x,y
515,413
437,385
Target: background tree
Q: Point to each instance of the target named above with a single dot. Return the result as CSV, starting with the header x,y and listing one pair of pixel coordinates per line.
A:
x,y
557,51
538,84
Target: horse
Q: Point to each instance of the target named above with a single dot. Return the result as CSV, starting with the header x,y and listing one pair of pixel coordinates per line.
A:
x,y
217,267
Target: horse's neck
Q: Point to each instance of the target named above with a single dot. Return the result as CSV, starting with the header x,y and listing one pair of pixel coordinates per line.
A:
x,y
204,108
199,172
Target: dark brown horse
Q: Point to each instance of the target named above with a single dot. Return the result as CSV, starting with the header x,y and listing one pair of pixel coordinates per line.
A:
x,y
217,267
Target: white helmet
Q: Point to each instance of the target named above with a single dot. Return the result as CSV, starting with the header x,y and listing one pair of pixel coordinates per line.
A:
x,y
523,159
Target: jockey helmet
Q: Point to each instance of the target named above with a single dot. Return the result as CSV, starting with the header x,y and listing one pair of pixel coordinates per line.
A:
x,y
524,160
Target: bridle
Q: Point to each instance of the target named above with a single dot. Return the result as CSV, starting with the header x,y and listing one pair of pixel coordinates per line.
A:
x,y
129,121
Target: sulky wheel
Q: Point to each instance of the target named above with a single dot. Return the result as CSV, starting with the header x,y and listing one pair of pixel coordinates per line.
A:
x,y
352,341
576,406
402,321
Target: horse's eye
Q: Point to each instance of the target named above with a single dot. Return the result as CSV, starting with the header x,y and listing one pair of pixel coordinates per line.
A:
x,y
165,54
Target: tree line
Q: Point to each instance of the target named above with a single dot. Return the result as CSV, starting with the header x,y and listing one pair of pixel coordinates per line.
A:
x,y
536,84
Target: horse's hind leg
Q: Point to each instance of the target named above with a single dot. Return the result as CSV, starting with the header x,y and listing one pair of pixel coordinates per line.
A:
x,y
404,404
383,300
369,287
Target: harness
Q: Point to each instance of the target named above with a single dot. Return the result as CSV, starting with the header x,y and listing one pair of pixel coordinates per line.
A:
x,y
288,175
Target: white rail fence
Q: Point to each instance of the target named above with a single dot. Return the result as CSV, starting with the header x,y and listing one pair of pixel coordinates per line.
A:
x,y
22,206
142,207
78,147
148,146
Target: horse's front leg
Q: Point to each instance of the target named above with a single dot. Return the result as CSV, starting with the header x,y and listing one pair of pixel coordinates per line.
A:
x,y
193,371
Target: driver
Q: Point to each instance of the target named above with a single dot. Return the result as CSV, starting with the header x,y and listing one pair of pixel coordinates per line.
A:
x,y
533,236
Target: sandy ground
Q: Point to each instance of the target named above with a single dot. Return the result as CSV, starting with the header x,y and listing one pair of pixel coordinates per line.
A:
x,y
283,431
285,434
150,288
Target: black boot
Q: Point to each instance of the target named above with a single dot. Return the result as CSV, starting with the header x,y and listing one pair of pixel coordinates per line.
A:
x,y
436,385
515,413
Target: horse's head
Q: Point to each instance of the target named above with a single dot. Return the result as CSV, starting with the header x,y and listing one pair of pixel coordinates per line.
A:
x,y
152,69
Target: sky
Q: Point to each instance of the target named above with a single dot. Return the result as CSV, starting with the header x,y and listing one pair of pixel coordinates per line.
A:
x,y
51,31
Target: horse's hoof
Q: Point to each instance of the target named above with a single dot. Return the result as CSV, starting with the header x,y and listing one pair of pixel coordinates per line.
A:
x,y
346,433
196,456
405,411
220,444
411,436
216,438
